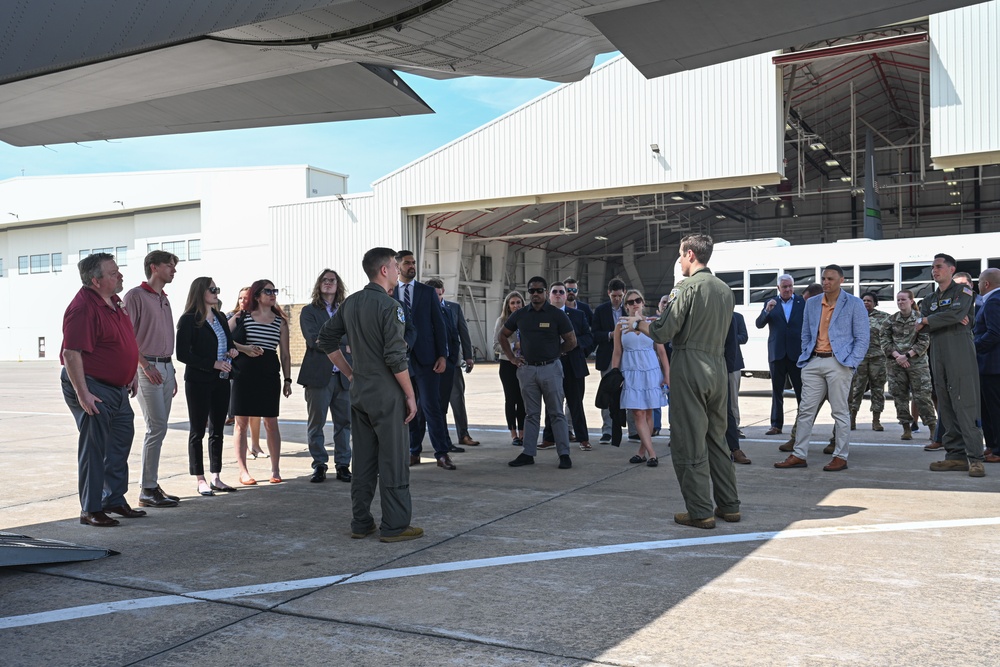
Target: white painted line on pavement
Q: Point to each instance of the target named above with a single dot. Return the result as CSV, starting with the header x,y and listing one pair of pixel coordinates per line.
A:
x,y
87,611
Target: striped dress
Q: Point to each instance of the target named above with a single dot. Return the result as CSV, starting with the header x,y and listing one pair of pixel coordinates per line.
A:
x,y
257,382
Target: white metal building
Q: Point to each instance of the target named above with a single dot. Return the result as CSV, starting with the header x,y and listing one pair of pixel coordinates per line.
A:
x,y
595,179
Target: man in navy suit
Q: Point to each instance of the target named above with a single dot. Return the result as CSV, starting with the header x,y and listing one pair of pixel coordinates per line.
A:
x,y
428,360
783,317
575,369
453,389
574,301
987,339
603,328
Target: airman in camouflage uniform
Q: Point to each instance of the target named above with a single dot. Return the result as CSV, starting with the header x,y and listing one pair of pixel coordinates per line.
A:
x,y
871,373
905,350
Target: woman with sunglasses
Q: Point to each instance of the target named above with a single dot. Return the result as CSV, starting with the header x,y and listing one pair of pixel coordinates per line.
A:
x,y
260,335
513,402
205,347
647,373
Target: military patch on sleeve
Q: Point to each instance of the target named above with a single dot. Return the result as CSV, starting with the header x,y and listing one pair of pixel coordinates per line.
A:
x,y
673,294
967,291
399,314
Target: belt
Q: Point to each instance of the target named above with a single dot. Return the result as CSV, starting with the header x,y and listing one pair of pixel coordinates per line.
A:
x,y
161,360
823,355
540,363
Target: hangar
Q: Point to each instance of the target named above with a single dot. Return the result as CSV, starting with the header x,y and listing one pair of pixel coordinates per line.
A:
x,y
597,178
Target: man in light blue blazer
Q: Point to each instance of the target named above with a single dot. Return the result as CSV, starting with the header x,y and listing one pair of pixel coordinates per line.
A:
x,y
835,336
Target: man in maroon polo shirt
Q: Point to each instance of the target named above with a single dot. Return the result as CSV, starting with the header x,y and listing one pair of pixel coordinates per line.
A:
x,y
99,357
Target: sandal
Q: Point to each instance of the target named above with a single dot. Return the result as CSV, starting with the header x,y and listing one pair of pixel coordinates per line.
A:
x,y
652,462
585,446
249,481
637,459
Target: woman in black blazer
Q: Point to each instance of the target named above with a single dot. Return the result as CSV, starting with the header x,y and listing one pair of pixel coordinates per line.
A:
x,y
205,347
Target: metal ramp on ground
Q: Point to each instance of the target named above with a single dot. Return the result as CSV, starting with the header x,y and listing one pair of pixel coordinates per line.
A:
x,y
24,550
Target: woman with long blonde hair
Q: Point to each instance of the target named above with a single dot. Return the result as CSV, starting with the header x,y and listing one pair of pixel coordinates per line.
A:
x,y
513,401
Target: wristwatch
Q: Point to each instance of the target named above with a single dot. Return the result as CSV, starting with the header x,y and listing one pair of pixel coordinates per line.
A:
x,y
635,324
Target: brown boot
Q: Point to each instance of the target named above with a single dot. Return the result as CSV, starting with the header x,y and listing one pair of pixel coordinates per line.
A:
x,y
876,424
907,433
854,420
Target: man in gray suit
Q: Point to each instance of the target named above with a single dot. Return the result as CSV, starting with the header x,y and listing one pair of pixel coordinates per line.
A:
x,y
326,388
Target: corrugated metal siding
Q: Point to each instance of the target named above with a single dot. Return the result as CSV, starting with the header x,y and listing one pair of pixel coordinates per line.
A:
x,y
715,122
311,236
965,80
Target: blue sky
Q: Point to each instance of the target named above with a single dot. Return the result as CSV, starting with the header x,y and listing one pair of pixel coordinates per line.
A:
x,y
364,149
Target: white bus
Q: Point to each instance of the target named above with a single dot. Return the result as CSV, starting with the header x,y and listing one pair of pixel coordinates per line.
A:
x,y
751,269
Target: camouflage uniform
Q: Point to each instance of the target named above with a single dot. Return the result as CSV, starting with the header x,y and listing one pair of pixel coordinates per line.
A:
x,y
871,371
899,335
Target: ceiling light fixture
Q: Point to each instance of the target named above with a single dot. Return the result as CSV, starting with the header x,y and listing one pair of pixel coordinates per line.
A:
x,y
700,207
655,148
775,198
529,221
677,198
956,193
601,238
833,163
818,146
720,217
948,170
845,179
952,183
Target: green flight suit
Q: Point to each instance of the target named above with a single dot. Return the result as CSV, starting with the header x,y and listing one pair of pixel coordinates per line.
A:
x,y
870,373
954,369
697,321
899,334
374,323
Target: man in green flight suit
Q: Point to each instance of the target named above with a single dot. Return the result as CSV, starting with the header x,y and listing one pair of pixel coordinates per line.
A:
x,y
696,321
382,400
948,315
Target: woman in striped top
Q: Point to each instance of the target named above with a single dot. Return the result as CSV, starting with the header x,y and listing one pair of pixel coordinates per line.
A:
x,y
261,336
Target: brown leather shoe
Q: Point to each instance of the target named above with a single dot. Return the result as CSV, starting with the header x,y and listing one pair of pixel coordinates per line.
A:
x,y
125,511
792,462
445,462
546,444
836,465
991,458
414,459
787,447
934,446
829,449
739,457
98,519
468,441
774,430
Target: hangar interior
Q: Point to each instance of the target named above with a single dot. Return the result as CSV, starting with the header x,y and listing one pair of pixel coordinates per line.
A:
x,y
833,92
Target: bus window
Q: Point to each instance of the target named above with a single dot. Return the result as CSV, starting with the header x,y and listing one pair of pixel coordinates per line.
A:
x,y
763,285
802,277
972,267
993,263
915,273
877,278
735,281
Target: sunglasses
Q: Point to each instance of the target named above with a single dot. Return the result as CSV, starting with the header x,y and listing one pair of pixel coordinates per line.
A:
x,y
573,290
269,292
536,290
329,281
214,290
558,291
632,302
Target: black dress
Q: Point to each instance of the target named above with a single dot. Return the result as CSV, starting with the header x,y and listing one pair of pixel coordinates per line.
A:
x,y
257,383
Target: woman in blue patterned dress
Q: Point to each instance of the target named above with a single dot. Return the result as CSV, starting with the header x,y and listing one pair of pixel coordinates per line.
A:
x,y
646,371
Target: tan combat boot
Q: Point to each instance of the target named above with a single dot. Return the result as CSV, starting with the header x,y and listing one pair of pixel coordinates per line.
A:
x,y
907,433
876,424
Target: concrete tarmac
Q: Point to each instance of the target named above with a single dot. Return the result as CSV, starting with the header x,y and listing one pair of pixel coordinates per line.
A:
x,y
885,563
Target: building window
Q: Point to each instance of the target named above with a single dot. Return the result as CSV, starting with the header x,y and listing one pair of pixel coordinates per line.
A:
x,y
56,262
178,248
22,264
121,255
150,247
39,263
194,250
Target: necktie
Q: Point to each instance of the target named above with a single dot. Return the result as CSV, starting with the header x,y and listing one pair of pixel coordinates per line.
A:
x,y
406,296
